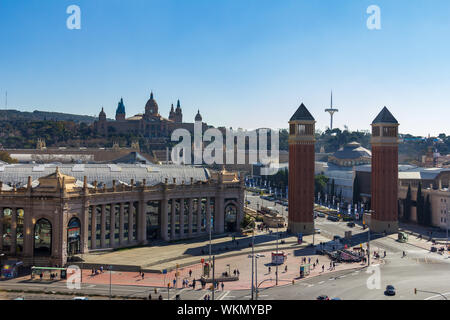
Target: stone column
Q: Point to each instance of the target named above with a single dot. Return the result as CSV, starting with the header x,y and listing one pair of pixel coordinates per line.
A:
x,y
208,215
190,217
121,224
28,232
220,213
103,227
173,220
13,230
182,218
94,227
199,215
140,219
84,228
131,213
1,229
164,219
112,227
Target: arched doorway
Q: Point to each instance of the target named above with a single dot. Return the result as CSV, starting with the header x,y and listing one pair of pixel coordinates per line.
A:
x,y
43,238
230,218
73,236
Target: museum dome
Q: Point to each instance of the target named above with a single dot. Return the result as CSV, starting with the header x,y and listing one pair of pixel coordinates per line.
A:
x,y
151,107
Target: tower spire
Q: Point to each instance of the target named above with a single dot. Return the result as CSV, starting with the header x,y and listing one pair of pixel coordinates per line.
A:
x,y
331,111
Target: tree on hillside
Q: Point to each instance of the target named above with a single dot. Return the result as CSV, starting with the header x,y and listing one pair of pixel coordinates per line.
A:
x,y
427,212
4,156
356,191
320,184
407,205
419,205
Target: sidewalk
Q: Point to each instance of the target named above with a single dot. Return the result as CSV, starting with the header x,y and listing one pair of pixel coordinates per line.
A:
x,y
168,256
229,264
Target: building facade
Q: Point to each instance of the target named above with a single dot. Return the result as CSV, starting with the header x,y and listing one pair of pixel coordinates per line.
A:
x,y
57,215
301,172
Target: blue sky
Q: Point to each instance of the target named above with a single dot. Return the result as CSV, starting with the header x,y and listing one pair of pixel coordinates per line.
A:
x,y
243,63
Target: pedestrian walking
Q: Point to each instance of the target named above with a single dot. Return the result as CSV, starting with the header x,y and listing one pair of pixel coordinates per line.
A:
x,y
190,273
149,296
101,269
323,268
205,297
270,269
142,275
193,284
222,286
174,282
309,260
160,297
285,268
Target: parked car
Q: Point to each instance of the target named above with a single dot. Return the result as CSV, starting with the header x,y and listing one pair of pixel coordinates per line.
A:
x,y
333,218
320,214
350,224
322,297
390,290
80,298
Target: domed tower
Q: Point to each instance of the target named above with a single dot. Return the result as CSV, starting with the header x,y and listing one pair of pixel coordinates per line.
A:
x,y
172,114
384,182
178,113
301,172
120,111
101,124
102,116
198,117
151,108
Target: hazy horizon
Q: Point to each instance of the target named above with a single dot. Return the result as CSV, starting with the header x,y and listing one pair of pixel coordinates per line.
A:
x,y
246,64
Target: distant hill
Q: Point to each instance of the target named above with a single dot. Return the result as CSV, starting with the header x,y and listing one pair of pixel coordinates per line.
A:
x,y
10,115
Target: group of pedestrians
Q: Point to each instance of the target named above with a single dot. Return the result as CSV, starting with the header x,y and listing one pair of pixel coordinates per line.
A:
x,y
96,271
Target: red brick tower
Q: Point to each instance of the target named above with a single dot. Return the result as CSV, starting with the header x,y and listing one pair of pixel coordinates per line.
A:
x,y
301,172
384,173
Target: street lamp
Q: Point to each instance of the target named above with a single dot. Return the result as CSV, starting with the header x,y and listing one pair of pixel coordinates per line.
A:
x,y
369,213
110,282
252,256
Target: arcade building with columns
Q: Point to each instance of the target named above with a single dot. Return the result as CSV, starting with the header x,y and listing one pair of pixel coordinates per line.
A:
x,y
50,213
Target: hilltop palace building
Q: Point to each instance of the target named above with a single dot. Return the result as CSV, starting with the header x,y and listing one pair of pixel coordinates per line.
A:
x,y
49,212
150,124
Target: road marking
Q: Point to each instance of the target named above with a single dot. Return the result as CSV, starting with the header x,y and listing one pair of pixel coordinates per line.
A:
x,y
311,285
438,295
223,295
321,282
179,292
343,276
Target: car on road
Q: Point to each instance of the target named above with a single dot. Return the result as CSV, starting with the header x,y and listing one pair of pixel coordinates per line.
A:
x,y
320,214
80,298
390,290
350,224
247,202
336,298
322,297
317,230
333,218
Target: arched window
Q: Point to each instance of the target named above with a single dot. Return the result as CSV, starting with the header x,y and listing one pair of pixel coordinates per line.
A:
x,y
230,217
74,236
6,232
43,237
